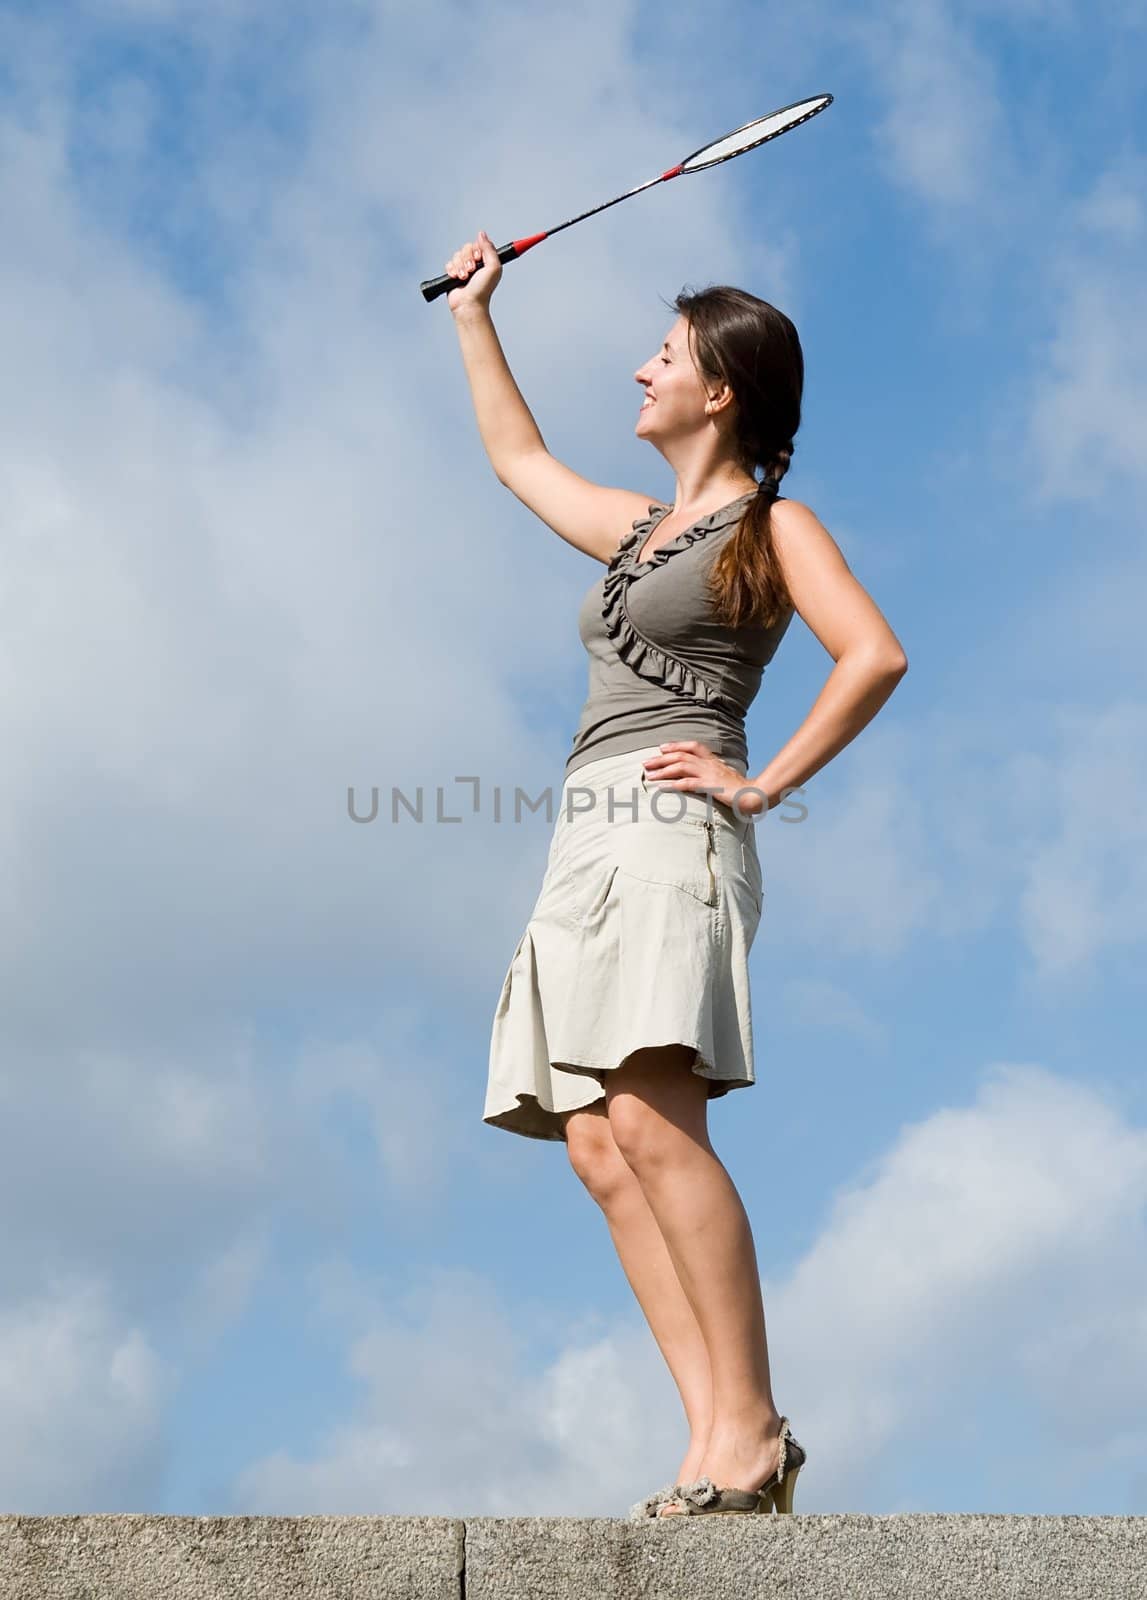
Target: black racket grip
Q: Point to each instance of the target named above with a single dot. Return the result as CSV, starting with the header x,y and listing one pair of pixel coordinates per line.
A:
x,y
433,287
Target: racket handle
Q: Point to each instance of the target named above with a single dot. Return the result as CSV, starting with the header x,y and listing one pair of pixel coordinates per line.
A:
x,y
433,287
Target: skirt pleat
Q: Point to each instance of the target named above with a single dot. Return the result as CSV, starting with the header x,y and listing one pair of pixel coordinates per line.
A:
x,y
640,937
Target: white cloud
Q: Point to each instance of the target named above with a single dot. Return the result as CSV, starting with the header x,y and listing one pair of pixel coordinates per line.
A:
x,y
979,1229
943,133
860,869
121,1149
1085,880
1086,393
973,823
1114,208
82,1395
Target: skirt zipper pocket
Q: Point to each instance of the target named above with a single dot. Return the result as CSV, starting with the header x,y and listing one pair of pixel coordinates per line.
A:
x,y
711,851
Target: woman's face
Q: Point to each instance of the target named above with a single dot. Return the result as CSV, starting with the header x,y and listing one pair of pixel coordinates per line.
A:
x,y
673,394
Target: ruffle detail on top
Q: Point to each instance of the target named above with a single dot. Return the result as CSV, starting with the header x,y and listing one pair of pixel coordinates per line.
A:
x,y
647,659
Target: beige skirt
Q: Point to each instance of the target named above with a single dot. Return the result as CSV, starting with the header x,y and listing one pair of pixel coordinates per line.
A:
x,y
640,936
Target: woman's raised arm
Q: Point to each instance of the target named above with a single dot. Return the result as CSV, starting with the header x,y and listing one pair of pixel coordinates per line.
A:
x,y
591,517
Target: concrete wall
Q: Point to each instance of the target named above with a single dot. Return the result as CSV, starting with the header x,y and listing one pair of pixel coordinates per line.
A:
x,y
832,1557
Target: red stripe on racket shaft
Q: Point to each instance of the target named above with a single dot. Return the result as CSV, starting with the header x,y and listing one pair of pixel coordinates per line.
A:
x,y
522,245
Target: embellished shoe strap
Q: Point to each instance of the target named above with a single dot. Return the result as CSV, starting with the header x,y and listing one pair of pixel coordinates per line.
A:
x,y
789,1443
785,1432
699,1493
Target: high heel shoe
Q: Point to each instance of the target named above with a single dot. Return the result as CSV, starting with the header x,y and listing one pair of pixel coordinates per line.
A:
x,y
703,1498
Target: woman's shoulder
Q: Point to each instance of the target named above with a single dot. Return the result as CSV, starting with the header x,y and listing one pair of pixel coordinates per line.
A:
x,y
788,510
796,525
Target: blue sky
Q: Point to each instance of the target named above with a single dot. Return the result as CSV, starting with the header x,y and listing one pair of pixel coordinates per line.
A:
x,y
262,1255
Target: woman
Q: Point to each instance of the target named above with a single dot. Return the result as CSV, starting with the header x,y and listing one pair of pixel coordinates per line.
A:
x,y
625,1008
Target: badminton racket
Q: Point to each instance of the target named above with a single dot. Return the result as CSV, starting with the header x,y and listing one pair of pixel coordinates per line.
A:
x,y
724,149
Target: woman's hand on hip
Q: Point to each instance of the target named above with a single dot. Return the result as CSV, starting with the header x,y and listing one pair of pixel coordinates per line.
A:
x,y
690,765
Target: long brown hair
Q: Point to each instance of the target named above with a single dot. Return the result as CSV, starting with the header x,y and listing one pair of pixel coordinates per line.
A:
x,y
756,350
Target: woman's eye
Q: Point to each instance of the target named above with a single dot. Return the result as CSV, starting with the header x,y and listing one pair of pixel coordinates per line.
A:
x,y
665,359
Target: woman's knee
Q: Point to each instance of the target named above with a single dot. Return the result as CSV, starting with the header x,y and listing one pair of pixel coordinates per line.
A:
x,y
593,1153
655,1102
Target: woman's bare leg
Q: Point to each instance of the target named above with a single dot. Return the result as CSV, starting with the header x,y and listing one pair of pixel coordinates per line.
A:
x,y
648,1268
656,1106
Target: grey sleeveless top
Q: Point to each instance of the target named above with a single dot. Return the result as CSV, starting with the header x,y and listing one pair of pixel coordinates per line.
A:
x,y
660,666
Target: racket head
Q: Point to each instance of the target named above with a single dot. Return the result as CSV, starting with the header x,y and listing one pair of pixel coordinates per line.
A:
x,y
759,131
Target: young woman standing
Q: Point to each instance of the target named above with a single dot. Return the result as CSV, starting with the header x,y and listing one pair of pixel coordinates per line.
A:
x,y
626,1007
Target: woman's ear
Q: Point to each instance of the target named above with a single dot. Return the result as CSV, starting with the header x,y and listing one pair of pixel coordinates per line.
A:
x,y
719,399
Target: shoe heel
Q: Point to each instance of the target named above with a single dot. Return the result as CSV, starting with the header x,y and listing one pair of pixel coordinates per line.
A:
x,y
783,1491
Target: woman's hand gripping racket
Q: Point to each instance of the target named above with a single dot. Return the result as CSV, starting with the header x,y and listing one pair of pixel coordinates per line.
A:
x,y
723,149
466,284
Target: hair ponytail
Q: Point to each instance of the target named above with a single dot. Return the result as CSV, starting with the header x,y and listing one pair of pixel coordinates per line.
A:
x,y
754,348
